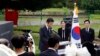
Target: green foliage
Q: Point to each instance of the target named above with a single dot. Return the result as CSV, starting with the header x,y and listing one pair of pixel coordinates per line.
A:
x,y
89,5
31,4
56,10
53,10
70,4
1,17
95,16
65,10
59,3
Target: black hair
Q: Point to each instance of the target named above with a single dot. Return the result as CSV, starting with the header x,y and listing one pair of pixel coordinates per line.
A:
x,y
18,41
53,41
50,20
87,21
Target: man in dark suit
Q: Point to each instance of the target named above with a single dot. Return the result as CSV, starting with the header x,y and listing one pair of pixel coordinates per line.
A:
x,y
45,34
87,33
53,46
63,32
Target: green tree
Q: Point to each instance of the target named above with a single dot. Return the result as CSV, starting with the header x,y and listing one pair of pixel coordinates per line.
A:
x,y
59,3
31,4
89,5
70,3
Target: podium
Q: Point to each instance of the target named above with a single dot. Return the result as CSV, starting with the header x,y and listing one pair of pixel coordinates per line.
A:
x,y
61,50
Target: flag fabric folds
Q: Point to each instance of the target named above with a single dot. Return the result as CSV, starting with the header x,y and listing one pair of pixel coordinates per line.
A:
x,y
75,30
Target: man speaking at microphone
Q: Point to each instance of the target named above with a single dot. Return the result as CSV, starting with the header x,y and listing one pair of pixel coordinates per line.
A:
x,y
45,34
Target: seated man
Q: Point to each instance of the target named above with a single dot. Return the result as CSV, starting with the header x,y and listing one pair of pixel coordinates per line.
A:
x,y
18,43
53,44
87,33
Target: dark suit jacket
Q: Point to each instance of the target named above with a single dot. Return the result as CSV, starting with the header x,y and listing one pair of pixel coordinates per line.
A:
x,y
87,36
27,54
49,52
67,34
44,36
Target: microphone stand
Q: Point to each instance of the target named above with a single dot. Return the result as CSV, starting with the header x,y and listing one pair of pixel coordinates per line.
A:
x,y
54,33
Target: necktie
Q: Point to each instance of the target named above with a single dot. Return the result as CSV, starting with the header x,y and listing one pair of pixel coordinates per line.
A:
x,y
87,29
49,29
63,34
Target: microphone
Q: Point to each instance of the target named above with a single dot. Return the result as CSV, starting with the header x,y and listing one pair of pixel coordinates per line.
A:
x,y
54,33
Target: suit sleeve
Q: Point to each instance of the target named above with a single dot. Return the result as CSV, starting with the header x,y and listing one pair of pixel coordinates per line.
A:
x,y
68,34
58,31
41,55
43,35
81,34
99,34
93,35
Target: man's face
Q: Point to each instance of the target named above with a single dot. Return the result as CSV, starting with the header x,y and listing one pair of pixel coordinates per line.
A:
x,y
63,24
87,24
50,24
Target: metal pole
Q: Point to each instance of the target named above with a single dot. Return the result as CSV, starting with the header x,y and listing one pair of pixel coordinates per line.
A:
x,y
41,18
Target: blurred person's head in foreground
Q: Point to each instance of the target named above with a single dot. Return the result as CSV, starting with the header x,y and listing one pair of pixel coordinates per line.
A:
x,y
4,41
53,43
18,43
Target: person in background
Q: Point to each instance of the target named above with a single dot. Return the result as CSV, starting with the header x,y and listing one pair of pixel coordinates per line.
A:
x,y
4,41
53,44
63,32
87,33
45,34
18,43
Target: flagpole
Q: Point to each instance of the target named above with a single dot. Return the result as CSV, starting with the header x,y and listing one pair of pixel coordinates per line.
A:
x,y
75,29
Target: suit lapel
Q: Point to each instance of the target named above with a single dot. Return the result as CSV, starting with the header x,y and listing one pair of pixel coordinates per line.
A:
x,y
52,51
47,31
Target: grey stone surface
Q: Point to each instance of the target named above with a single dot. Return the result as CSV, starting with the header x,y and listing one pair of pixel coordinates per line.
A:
x,y
6,29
